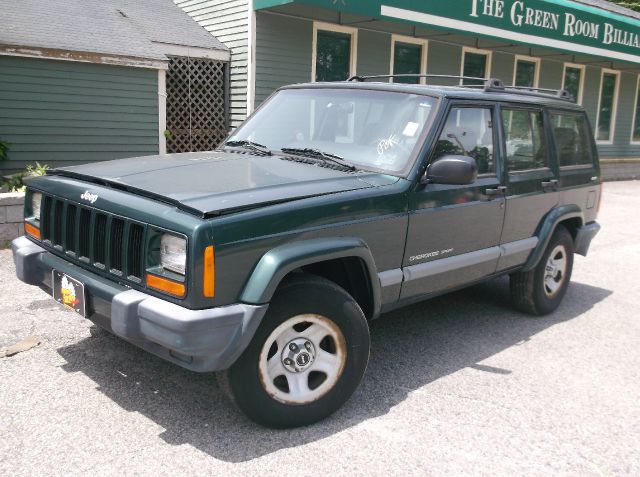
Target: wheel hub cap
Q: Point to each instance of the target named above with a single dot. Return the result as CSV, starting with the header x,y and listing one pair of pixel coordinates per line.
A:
x,y
298,355
555,271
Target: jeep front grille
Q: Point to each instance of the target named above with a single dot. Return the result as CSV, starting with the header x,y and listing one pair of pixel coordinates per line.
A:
x,y
92,237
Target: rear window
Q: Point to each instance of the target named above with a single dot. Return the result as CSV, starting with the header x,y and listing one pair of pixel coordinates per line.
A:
x,y
573,145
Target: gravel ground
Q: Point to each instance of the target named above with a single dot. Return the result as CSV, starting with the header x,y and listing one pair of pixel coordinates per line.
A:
x,y
458,385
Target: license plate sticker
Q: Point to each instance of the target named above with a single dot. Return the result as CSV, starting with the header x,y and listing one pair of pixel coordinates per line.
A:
x,y
69,292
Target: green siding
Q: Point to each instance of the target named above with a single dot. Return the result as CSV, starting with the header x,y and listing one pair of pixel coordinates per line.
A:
x,y
551,74
228,21
374,53
444,59
502,65
283,53
63,112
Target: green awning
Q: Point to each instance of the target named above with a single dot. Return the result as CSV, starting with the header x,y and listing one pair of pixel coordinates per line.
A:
x,y
562,24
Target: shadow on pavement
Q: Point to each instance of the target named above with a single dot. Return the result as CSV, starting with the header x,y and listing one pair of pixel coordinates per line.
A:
x,y
410,348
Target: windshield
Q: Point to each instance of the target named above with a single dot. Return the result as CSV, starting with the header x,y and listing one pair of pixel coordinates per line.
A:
x,y
370,129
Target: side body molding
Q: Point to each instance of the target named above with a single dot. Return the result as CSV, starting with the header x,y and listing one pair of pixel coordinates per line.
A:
x,y
278,262
546,229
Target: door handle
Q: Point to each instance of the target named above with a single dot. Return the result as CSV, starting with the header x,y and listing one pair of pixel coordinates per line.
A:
x,y
500,190
549,186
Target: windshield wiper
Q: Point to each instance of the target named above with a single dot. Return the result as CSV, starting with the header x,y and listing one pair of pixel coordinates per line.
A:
x,y
254,146
318,154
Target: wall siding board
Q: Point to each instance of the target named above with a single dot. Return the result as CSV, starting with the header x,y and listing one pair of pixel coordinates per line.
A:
x,y
57,112
374,53
229,22
277,38
444,59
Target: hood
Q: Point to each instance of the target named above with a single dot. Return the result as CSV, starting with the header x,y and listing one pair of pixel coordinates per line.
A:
x,y
213,183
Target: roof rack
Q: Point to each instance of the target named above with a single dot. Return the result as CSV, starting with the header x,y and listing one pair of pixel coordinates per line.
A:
x,y
493,85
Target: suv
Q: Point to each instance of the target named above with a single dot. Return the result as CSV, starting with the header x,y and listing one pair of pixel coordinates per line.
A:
x,y
332,204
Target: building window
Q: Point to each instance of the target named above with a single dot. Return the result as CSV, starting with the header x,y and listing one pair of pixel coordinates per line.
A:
x,y
635,133
526,72
334,52
475,64
408,56
607,106
573,80
524,137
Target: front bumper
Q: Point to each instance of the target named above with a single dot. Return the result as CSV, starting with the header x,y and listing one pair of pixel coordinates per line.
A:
x,y
199,340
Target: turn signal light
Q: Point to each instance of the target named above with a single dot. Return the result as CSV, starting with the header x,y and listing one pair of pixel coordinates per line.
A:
x,y
209,275
168,286
32,231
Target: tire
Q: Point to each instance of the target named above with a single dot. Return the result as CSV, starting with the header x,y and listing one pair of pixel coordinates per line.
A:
x,y
541,290
307,357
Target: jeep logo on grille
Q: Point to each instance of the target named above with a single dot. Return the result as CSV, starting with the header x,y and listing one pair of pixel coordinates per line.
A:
x,y
89,197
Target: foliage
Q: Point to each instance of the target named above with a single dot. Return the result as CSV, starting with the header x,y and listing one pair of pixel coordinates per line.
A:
x,y
15,182
628,4
37,169
4,150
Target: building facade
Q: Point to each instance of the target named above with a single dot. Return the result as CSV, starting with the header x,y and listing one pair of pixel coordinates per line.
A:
x,y
91,80
590,48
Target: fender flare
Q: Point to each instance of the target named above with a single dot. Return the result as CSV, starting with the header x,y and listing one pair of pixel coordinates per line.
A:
x,y
278,262
546,229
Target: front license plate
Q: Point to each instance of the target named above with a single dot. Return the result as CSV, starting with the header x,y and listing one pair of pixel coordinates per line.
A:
x,y
69,292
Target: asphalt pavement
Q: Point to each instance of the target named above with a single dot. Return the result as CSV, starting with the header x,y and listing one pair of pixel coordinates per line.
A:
x,y
460,385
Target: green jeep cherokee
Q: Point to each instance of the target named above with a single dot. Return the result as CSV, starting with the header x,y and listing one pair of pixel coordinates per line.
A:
x,y
330,205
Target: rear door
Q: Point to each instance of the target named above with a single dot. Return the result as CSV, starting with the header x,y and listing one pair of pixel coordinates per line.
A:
x,y
532,179
577,161
454,231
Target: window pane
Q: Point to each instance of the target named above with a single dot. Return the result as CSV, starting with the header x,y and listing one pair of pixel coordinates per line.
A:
x,y
333,56
636,128
475,66
407,59
525,73
373,129
572,80
572,140
524,135
605,112
469,132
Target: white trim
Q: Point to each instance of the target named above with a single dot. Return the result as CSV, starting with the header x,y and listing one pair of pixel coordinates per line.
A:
x,y
414,41
162,111
530,59
487,53
82,57
171,49
636,117
251,60
419,17
353,61
583,75
614,112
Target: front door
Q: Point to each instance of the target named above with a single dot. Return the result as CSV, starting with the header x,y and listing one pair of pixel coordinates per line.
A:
x,y
531,180
454,231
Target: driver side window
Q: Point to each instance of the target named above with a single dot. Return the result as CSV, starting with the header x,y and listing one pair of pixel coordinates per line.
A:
x,y
469,132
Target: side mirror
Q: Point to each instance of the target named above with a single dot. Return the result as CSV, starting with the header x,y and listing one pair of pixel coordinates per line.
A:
x,y
452,170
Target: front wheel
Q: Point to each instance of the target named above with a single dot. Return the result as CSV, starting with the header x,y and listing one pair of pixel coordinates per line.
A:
x,y
307,357
540,291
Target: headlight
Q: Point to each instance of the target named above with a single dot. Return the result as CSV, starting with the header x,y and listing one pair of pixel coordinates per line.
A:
x,y
36,200
173,253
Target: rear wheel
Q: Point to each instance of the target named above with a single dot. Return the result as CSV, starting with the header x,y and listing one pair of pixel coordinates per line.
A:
x,y
307,357
541,290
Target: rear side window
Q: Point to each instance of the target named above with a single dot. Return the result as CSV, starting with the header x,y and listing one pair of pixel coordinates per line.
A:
x,y
573,145
524,137
469,132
